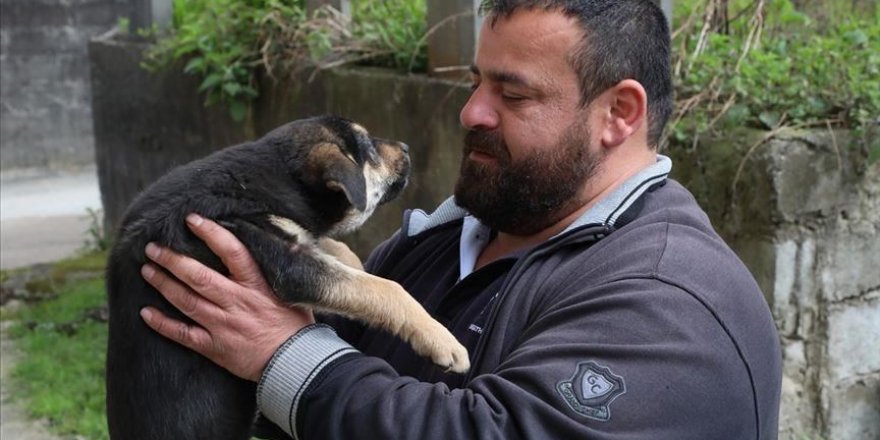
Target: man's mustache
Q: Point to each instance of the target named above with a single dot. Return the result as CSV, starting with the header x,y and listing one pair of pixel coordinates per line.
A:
x,y
488,142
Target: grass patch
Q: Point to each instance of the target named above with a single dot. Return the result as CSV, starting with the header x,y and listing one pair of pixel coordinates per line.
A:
x,y
59,374
88,262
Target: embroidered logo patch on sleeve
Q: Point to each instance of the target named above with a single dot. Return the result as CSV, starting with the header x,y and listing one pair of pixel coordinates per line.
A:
x,y
591,390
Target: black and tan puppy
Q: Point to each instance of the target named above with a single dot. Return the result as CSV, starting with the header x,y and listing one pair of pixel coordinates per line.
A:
x,y
280,195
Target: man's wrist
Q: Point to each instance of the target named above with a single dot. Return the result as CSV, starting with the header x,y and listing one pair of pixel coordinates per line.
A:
x,y
291,370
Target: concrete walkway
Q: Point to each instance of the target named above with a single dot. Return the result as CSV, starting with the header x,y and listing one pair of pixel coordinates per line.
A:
x,y
43,218
43,214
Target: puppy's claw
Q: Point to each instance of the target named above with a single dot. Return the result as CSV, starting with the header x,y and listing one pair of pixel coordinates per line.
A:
x,y
443,349
460,362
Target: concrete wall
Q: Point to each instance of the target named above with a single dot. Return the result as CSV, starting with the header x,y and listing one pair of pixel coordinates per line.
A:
x,y
804,213
45,115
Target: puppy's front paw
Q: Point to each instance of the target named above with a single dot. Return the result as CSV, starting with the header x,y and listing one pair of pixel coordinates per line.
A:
x,y
443,349
456,359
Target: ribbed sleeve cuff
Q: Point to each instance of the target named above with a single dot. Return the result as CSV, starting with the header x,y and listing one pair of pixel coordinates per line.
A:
x,y
292,368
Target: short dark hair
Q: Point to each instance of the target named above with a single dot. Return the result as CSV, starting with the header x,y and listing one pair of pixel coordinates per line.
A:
x,y
623,39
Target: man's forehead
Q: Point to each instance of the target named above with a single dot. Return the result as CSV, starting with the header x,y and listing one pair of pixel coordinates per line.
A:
x,y
536,26
523,42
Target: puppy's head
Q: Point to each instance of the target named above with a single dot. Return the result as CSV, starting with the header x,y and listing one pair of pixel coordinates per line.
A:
x,y
340,156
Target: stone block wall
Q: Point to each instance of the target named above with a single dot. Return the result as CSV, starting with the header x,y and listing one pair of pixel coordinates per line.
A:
x,y
802,210
826,291
45,115
805,217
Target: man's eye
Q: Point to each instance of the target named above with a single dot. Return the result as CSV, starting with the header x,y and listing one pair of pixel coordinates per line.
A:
x,y
513,98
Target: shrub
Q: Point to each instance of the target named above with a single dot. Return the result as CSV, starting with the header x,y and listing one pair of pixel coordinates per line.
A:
x,y
226,42
223,41
779,68
737,63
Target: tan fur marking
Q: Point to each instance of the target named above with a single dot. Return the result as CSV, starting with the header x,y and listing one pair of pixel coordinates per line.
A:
x,y
341,252
326,152
292,228
359,128
391,154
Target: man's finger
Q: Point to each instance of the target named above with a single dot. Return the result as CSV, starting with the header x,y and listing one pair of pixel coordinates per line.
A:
x,y
183,298
226,245
193,337
204,280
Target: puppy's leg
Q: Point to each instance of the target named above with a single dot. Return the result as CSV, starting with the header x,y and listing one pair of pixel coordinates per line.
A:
x,y
341,252
385,304
305,274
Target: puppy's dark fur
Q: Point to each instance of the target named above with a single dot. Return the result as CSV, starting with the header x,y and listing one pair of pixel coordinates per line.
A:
x,y
279,195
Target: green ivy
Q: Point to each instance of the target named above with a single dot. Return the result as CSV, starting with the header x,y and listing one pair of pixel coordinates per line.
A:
x,y
395,27
810,65
222,41
797,74
226,42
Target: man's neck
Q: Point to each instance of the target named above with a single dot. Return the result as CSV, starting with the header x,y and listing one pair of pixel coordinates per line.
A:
x,y
505,244
595,190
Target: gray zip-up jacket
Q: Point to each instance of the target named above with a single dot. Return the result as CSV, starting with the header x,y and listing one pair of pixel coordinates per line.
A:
x,y
636,322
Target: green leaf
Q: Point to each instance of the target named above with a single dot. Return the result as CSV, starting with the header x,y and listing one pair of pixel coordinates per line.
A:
x,y
194,64
856,37
237,109
737,114
211,81
250,92
874,152
231,88
769,119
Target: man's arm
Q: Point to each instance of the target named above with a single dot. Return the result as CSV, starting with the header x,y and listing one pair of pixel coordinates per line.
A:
x,y
597,369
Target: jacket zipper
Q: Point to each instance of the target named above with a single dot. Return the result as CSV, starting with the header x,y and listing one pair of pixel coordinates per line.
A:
x,y
572,237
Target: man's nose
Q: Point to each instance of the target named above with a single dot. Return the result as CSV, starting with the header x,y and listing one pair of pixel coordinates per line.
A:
x,y
478,113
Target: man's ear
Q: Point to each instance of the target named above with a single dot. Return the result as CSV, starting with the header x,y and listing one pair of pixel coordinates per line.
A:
x,y
328,166
626,107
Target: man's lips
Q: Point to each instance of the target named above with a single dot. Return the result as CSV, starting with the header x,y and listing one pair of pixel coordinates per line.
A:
x,y
481,156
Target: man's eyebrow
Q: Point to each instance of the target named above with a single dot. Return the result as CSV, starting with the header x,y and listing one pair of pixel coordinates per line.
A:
x,y
503,77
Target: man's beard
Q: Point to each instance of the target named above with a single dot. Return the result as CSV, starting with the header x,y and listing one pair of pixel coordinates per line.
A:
x,y
531,194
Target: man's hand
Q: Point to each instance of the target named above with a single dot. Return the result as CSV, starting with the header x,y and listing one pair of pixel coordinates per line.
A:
x,y
241,323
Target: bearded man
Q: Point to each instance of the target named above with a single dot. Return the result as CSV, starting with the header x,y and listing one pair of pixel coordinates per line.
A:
x,y
595,298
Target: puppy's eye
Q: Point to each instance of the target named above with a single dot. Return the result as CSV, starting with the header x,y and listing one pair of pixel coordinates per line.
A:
x,y
373,156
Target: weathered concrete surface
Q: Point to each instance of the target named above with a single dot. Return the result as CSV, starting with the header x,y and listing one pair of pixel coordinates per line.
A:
x,y
804,216
45,115
140,117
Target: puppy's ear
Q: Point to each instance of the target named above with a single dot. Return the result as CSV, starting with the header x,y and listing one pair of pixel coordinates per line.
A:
x,y
350,182
330,167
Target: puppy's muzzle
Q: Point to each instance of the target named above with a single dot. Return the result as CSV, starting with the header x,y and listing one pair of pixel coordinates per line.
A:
x,y
399,162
